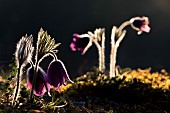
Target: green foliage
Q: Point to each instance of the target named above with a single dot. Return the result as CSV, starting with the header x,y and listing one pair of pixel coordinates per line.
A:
x,y
13,70
45,44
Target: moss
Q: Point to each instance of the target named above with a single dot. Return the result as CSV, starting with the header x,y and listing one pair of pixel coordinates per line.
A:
x,y
95,92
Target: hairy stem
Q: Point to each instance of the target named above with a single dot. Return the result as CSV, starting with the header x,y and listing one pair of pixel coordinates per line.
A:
x,y
121,27
53,55
112,70
103,53
34,79
115,53
17,87
100,55
119,34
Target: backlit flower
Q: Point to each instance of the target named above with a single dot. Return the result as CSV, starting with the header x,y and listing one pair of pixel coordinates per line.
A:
x,y
140,24
79,43
57,74
24,49
41,84
23,55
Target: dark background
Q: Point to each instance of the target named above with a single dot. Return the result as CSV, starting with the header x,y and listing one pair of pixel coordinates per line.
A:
x,y
62,18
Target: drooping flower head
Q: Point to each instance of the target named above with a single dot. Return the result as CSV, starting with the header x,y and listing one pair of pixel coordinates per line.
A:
x,y
24,50
57,74
80,42
41,85
140,24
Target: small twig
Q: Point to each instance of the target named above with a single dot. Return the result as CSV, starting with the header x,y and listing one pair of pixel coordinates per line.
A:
x,y
87,110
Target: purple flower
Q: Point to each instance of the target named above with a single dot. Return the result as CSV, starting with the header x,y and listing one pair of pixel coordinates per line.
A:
x,y
140,24
41,84
79,43
57,74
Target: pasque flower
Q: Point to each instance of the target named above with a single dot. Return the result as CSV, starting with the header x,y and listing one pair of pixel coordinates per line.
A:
x,y
79,43
23,55
24,49
140,24
57,74
84,41
45,47
41,85
38,81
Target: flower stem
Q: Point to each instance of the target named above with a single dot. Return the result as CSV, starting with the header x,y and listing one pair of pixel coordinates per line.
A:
x,y
112,70
53,55
100,54
119,34
53,96
34,79
121,27
103,52
17,87
115,53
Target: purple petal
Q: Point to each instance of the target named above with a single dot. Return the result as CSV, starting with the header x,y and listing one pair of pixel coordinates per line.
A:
x,y
138,23
57,74
72,46
145,28
41,86
141,24
79,43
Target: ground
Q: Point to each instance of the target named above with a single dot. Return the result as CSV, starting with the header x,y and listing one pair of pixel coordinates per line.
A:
x,y
133,91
